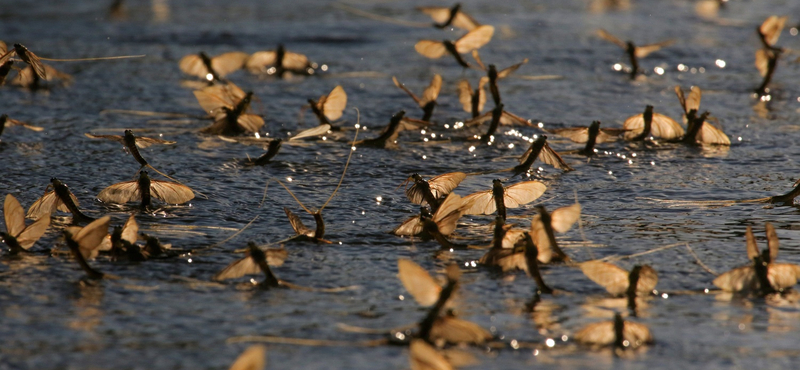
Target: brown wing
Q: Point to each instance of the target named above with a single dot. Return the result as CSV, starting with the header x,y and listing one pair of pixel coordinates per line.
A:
x,y
424,357
479,203
33,232
260,60
609,37
511,119
597,334
693,101
771,28
47,204
118,138
465,95
451,209
709,134
648,279
738,280
455,331
634,126
563,218
121,193
250,122
439,14
762,61
576,134
546,252
13,122
239,268
783,275
253,358
430,49
335,103
35,63
636,334
665,127
170,192
445,183
130,231
477,56
523,193
614,279
474,39
409,227
551,157
295,61
91,237
144,142
773,243
14,215
751,245
418,282
227,63
464,21
411,94
607,135
213,98
508,71
432,91
3,47
314,131
645,50
193,65
297,224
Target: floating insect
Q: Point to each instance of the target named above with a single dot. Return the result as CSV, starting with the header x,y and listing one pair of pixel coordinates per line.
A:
x,y
494,75
212,69
544,225
499,198
767,56
634,52
472,100
430,191
446,218
474,39
28,78
26,56
329,107
541,150
140,141
145,189
640,281
5,121
515,256
278,62
706,133
5,67
388,137
249,265
763,276
428,100
17,236
60,198
273,146
445,17
618,333
85,243
228,105
591,135
642,125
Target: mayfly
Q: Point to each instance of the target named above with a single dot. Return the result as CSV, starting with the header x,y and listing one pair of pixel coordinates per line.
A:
x,y
5,121
28,78
544,225
445,17
278,62
26,56
17,236
519,256
228,105
132,144
541,150
273,146
472,101
60,198
141,141
445,217
640,281
648,123
706,133
145,189
329,107
212,69
5,67
767,55
634,52
431,191
591,135
428,100
474,39
619,333
388,137
499,198
494,75
85,242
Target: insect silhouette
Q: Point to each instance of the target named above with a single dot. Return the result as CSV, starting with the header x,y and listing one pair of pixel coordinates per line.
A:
x,y
279,62
329,107
145,189
59,198
648,123
591,135
428,100
26,56
18,237
212,69
474,39
544,225
431,191
85,243
706,133
634,52
471,100
445,17
228,105
499,198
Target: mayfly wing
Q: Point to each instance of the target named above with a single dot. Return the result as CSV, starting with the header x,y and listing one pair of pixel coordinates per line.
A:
x,y
563,218
446,217
297,224
645,50
250,122
709,134
260,60
422,356
430,49
648,279
226,63
432,91
407,91
665,127
314,131
523,193
130,231
411,226
29,57
253,358
445,183
474,39
614,279
783,275
575,134
14,215
598,334
752,246
91,237
771,29
773,244
335,103
479,203
465,95
739,280
611,38
418,282
636,334
121,193
508,71
170,192
551,157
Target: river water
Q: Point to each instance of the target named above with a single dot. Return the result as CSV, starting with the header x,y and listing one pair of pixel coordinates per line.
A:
x,y
170,314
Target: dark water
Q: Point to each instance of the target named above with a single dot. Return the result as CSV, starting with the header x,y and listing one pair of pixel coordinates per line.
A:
x,y
168,314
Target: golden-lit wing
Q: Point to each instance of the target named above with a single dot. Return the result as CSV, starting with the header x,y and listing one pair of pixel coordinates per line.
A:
x,y
213,98
607,135
250,122
508,71
645,50
512,237
432,91
13,122
445,183
91,237
410,124
576,134
455,331
693,101
611,38
170,192
335,103
681,98
227,63
451,209
464,21
709,134
3,47
541,240
783,275
665,127
614,279
260,60
771,28
634,126
47,204
479,203
474,39
121,193
636,334
597,334
648,279
523,193
511,119
439,14
762,61
118,138
424,357
465,95
751,245
430,49
411,226
563,218
14,215
418,282
33,232
314,131
477,56
741,279
297,224
193,65
404,88
37,64
239,268
144,142
130,231
773,243
295,61
253,358
551,157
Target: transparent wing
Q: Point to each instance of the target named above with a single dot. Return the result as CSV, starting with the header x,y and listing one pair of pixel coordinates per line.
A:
x,y
226,63
665,127
508,71
445,183
193,65
480,203
418,282
465,95
33,232
645,50
121,193
432,91
409,227
551,157
614,279
738,280
430,49
709,134
295,61
297,224
46,205
563,218
597,334
474,39
424,357
611,38
253,358
576,134
130,231
260,60
453,330
14,215
170,192
90,237
648,279
335,103
783,275
771,28
314,131
636,334
250,122
523,193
